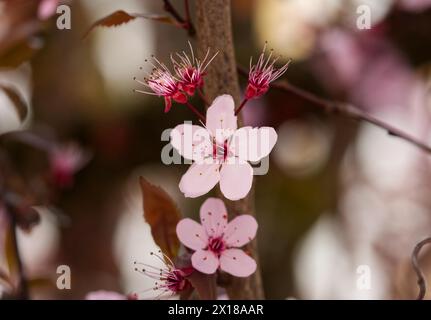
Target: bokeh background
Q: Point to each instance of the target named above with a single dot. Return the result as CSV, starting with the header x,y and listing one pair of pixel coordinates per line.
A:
x,y
339,194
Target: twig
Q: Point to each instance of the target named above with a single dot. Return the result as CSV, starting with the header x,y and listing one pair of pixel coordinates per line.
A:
x,y
415,262
185,22
344,109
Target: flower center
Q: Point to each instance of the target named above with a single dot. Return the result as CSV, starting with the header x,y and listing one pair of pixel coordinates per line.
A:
x,y
216,245
220,151
176,281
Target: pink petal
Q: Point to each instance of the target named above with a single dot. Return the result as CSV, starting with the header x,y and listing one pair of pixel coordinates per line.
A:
x,y
253,144
205,261
199,179
192,142
221,119
213,215
104,295
192,234
240,230
237,263
47,8
236,179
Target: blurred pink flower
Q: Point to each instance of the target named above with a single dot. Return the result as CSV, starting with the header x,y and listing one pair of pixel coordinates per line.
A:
x,y
216,241
47,8
169,279
221,152
262,74
191,70
105,295
162,83
415,5
65,161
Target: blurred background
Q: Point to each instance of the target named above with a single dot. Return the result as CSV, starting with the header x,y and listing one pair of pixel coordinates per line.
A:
x,y
339,194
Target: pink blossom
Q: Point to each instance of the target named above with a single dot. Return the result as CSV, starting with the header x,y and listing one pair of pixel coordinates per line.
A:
x,y
191,70
47,8
162,83
105,295
216,241
262,74
65,161
221,151
170,280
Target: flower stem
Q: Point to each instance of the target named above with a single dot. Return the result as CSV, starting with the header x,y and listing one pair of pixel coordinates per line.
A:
x,y
202,96
195,111
241,106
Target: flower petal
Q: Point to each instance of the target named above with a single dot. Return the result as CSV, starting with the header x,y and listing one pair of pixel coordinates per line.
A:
x,y
199,179
213,215
237,263
105,295
240,230
47,8
253,144
221,119
192,234
192,142
236,179
205,261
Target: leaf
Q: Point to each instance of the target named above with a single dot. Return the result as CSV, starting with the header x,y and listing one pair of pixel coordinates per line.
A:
x,y
162,214
205,285
10,251
121,17
17,101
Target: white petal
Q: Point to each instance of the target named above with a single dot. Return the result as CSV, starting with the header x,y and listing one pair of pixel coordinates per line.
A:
x,y
199,179
221,119
253,144
236,179
191,141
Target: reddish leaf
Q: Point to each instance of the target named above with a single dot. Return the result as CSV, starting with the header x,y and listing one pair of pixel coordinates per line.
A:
x,y
121,17
18,102
162,214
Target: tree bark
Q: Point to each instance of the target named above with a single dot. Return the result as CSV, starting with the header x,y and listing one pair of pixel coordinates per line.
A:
x,y
214,30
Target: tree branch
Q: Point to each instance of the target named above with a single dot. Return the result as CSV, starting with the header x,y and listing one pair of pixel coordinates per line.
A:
x,y
214,30
185,22
415,262
345,110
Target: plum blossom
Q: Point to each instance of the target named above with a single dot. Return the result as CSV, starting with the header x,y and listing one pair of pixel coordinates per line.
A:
x,y
162,83
47,8
262,74
220,152
216,241
191,70
170,280
65,161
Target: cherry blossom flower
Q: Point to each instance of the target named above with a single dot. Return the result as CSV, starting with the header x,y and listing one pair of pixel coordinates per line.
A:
x,y
162,83
262,74
220,152
191,70
65,161
170,280
47,8
216,241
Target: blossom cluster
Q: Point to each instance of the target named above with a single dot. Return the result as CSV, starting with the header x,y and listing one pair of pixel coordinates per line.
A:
x,y
221,153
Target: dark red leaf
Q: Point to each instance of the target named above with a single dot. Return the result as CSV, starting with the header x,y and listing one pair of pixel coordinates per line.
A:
x,y
121,17
162,214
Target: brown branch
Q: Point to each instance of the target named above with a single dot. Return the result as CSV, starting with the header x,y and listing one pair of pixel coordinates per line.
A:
x,y
214,30
185,22
415,262
345,110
